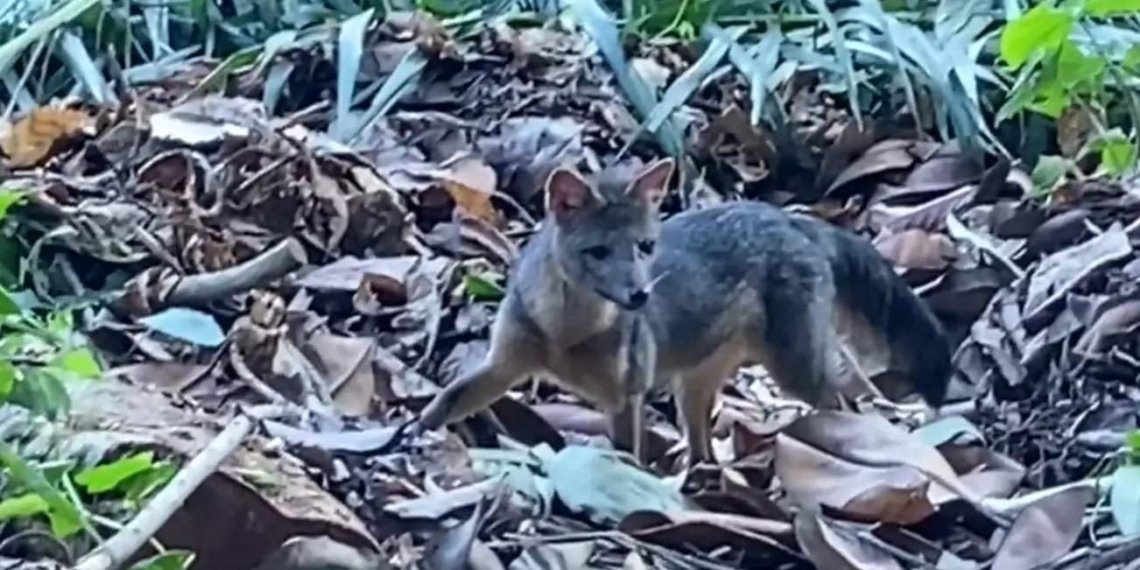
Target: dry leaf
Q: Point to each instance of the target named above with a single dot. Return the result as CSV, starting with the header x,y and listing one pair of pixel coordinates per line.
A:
x,y
1045,530
471,183
837,548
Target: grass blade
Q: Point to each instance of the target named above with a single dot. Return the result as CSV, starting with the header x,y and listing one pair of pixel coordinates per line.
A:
x,y
41,28
83,67
403,79
841,52
685,85
350,45
603,30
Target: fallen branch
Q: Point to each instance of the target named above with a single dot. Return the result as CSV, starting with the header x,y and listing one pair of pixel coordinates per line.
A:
x,y
275,263
119,548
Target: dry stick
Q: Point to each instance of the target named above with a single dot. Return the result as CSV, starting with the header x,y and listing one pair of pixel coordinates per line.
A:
x,y
119,548
275,263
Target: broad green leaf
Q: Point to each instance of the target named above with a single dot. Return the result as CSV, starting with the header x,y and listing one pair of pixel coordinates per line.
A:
x,y
1117,155
103,478
79,361
64,517
482,288
1112,7
190,325
22,506
9,197
1048,171
1125,499
1074,67
1132,440
7,379
169,560
350,46
1041,28
142,486
8,305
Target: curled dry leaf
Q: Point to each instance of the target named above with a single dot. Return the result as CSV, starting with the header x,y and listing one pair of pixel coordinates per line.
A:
x,y
813,477
1045,530
872,441
471,183
836,548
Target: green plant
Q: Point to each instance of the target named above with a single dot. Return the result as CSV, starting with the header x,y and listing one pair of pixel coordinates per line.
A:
x,y
1070,56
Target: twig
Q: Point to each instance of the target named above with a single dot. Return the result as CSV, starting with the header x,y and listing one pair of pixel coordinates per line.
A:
x,y
119,548
274,263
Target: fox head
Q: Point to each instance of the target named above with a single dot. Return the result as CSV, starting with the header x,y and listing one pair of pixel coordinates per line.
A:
x,y
604,238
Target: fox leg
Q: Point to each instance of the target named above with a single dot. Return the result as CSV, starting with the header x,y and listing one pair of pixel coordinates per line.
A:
x,y
502,369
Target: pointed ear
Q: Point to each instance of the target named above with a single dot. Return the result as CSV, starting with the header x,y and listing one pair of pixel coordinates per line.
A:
x,y
652,184
566,193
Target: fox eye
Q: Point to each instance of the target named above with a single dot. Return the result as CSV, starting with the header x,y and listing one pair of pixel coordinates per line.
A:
x,y
645,246
598,252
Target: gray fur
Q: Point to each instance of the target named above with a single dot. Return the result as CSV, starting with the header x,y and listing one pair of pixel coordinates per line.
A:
x,y
729,285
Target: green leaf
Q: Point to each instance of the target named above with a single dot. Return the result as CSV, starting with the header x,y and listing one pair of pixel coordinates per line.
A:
x,y
140,487
1132,440
1125,499
1112,7
1048,171
9,197
22,506
482,288
190,325
1042,27
7,379
169,560
1075,68
64,517
1117,155
8,305
79,361
103,478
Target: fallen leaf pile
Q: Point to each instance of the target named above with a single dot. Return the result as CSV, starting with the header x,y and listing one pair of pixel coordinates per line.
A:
x,y
245,256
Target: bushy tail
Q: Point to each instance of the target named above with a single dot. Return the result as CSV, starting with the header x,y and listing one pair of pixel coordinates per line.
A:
x,y
868,286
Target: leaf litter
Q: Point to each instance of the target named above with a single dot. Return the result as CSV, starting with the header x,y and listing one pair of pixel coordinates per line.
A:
x,y
345,266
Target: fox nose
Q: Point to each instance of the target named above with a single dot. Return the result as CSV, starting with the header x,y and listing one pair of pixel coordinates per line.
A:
x,y
638,298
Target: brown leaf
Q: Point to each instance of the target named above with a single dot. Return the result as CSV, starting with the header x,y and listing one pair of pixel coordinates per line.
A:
x,y
884,156
917,249
942,173
32,139
471,183
556,556
870,440
987,472
835,548
346,364
812,476
709,531
1045,530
